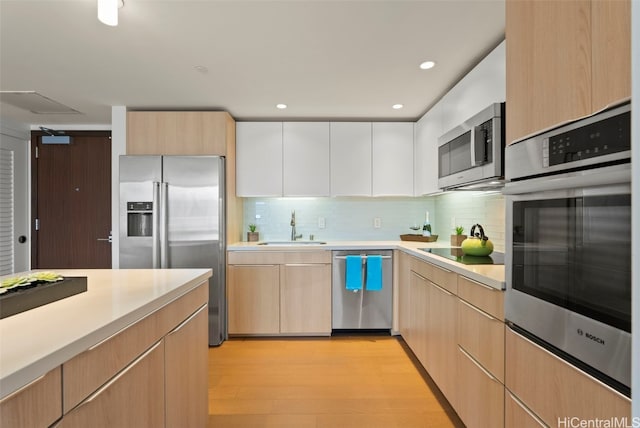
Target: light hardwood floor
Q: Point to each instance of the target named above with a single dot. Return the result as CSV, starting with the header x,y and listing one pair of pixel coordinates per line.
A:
x,y
364,382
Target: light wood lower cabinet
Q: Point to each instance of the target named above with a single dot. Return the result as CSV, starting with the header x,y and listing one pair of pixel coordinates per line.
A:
x,y
481,398
254,299
555,390
273,293
186,366
305,298
134,398
38,404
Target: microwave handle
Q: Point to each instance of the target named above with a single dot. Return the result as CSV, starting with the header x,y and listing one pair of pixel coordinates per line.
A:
x,y
479,146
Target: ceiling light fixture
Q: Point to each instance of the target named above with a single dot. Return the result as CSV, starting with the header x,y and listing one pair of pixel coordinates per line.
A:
x,y
108,11
427,65
281,106
397,106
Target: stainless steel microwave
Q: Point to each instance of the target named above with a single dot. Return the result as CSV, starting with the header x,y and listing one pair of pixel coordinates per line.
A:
x,y
470,155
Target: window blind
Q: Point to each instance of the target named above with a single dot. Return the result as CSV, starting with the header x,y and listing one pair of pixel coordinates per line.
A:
x,y
7,210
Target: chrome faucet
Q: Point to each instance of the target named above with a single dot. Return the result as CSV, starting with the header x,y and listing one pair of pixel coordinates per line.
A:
x,y
293,227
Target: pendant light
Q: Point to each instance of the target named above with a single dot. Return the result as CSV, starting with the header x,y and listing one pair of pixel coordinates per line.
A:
x,y
108,11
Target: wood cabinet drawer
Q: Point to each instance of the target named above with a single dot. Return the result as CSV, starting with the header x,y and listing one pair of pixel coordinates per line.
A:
x,y
444,278
423,269
516,415
277,257
553,389
134,398
481,401
482,336
86,372
489,299
38,404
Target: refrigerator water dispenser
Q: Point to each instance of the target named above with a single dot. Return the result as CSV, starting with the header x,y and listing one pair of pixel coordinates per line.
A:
x,y
139,218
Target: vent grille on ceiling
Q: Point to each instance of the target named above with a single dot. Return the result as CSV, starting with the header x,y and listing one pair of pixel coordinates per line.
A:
x,y
35,103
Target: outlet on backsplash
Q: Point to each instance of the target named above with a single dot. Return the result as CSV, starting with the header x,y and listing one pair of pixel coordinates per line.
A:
x,y
376,223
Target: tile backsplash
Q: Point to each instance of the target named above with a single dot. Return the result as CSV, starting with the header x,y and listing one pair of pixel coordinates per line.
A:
x,y
354,218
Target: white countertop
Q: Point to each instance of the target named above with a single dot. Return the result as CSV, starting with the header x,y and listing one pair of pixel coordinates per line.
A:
x,y
36,341
491,275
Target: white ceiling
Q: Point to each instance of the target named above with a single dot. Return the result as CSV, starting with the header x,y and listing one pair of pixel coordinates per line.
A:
x,y
326,59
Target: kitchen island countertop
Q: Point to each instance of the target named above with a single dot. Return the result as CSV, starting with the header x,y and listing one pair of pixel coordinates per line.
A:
x,y
38,340
491,275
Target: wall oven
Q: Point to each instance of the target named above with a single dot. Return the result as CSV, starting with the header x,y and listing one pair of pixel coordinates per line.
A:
x,y
470,155
568,241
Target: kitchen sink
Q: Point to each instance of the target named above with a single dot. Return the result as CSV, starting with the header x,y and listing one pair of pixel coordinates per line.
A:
x,y
292,243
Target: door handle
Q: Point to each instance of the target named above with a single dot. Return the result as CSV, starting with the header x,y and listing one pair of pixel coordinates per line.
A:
x,y
109,239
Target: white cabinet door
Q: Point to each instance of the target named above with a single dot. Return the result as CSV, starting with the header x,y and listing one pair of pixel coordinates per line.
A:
x,y
259,158
351,159
306,158
428,130
482,86
392,159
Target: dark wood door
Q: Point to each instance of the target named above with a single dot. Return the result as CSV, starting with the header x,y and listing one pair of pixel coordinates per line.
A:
x,y
71,201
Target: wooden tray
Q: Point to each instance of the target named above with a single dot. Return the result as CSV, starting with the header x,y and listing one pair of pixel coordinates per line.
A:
x,y
419,238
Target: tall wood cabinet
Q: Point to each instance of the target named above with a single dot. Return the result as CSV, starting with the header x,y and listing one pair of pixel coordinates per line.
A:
x,y
191,133
565,60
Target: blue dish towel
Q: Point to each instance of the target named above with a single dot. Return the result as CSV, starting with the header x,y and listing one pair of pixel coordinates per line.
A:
x,y
353,280
374,273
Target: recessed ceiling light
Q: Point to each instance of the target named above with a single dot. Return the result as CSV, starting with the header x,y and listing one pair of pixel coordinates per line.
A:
x,y
201,69
397,106
427,65
281,106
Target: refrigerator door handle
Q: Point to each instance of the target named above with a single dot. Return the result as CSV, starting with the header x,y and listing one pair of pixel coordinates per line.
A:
x,y
155,238
164,247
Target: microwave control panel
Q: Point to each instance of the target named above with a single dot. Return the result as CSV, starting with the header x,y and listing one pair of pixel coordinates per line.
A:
x,y
605,137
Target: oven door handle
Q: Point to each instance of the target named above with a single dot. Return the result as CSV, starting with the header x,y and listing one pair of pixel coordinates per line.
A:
x,y
612,175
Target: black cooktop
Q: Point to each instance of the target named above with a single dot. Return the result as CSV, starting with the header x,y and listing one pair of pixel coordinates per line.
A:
x,y
457,255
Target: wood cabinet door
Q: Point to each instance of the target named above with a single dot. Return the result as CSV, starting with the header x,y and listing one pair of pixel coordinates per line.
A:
x,y
442,340
259,159
611,35
186,372
418,317
402,291
253,299
548,64
306,158
480,401
134,398
305,298
178,132
351,158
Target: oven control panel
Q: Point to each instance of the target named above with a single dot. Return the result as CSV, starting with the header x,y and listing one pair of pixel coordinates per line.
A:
x,y
600,138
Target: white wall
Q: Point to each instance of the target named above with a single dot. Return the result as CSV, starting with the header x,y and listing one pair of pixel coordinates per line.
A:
x,y
635,206
118,147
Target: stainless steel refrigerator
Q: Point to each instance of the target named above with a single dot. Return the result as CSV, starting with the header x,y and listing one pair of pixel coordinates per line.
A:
x,y
172,216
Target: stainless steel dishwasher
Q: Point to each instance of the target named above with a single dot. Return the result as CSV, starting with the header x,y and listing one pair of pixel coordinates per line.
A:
x,y
362,309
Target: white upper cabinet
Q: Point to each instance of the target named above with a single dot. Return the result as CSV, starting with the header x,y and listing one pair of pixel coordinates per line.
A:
x,y
428,130
306,158
259,159
392,159
485,84
351,159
